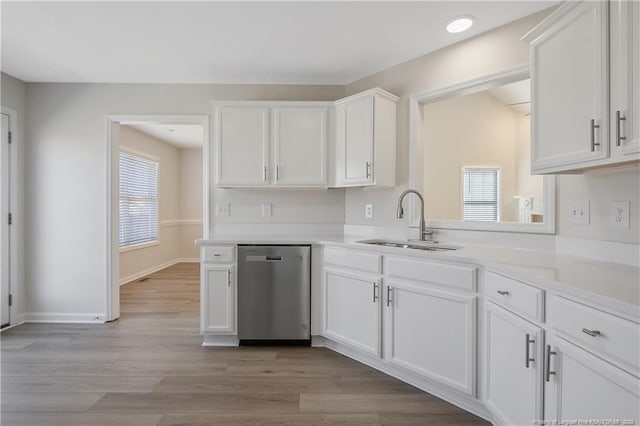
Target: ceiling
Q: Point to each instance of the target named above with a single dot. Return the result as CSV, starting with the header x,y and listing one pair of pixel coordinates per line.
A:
x,y
516,95
178,135
304,42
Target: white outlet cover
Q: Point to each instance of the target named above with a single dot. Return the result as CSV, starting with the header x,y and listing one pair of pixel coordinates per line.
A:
x,y
368,211
222,209
266,210
579,213
620,214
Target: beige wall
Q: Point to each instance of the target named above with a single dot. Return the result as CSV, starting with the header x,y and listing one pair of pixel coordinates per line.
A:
x,y
472,130
526,183
179,204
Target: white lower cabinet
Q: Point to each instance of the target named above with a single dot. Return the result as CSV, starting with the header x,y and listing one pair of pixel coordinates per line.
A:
x,y
352,309
431,332
581,386
513,375
217,293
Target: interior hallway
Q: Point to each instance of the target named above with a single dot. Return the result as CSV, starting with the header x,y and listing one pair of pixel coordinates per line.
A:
x,y
148,368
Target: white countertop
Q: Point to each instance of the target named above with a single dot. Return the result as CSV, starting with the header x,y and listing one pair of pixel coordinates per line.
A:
x,y
612,285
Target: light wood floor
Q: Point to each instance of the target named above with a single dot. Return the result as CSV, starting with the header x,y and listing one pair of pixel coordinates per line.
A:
x,y
148,368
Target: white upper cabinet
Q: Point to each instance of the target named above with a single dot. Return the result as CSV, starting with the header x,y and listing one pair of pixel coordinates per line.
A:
x,y
569,88
366,139
584,87
299,145
625,80
242,142
266,144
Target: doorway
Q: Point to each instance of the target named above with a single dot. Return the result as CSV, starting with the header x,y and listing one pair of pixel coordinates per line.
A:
x,y
8,241
158,199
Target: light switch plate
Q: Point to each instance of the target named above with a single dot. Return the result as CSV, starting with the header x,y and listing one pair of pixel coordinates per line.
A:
x,y
620,214
368,211
579,214
266,209
222,209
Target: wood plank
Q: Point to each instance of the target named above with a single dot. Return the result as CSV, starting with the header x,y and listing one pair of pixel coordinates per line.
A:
x,y
373,403
212,384
79,384
265,419
79,419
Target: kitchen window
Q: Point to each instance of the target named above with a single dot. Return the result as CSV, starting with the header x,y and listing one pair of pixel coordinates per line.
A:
x,y
481,197
138,200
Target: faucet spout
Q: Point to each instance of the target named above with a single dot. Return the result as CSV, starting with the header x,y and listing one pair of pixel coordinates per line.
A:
x,y
400,211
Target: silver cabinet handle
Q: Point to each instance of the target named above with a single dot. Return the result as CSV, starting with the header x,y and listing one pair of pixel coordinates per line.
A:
x,y
228,277
375,296
368,164
217,255
592,333
503,292
594,126
619,138
549,373
264,173
527,355
389,290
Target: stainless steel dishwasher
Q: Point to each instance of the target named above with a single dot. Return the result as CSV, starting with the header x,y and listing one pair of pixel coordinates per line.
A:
x,y
274,294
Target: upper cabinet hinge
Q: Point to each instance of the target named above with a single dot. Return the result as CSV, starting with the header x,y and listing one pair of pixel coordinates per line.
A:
x,y
10,219
10,137
11,300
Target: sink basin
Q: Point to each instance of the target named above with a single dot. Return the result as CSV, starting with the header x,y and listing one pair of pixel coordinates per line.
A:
x,y
417,245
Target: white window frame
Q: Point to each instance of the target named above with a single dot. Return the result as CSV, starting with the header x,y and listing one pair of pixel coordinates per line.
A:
x,y
499,191
147,157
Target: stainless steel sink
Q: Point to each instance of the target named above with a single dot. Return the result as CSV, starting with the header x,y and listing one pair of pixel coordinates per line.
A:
x,y
417,245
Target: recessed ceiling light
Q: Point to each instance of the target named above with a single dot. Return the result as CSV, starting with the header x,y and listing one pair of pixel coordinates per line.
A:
x,y
460,24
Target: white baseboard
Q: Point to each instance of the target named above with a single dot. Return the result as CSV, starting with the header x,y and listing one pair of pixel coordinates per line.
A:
x,y
156,268
58,317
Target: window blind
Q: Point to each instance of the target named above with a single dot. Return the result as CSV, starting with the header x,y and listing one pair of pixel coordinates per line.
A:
x,y
481,195
138,200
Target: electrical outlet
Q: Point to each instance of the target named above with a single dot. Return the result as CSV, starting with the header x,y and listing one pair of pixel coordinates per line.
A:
x,y
222,209
579,213
266,210
368,211
620,214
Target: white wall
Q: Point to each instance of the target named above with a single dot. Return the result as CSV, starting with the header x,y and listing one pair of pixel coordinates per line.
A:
x,y
190,201
66,197
13,94
487,53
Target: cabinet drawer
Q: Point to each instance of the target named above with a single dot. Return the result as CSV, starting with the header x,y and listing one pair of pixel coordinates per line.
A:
x,y
515,295
613,336
219,254
366,262
462,277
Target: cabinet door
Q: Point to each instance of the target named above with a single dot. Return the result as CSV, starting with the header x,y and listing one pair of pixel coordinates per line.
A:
x,y
569,89
299,146
355,139
352,310
625,79
431,333
584,387
513,389
217,313
242,141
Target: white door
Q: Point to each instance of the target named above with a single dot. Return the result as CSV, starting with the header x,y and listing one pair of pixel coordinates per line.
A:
x,y
431,333
569,89
513,373
299,146
4,220
625,78
355,131
352,310
242,141
583,387
218,295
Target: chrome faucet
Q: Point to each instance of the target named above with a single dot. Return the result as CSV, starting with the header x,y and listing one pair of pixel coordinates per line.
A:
x,y
425,234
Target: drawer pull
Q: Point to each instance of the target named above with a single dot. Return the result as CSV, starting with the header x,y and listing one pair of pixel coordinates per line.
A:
x,y
592,333
217,255
549,372
527,355
503,292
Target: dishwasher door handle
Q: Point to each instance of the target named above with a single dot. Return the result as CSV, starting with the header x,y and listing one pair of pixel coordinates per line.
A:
x,y
264,258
